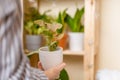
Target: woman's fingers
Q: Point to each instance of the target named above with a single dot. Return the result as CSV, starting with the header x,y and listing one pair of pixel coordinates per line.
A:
x,y
40,66
54,72
59,67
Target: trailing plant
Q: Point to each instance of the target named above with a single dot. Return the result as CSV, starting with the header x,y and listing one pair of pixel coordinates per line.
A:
x,y
53,32
30,16
75,22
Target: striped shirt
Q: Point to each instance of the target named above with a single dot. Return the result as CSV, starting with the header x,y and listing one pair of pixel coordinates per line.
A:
x,y
14,65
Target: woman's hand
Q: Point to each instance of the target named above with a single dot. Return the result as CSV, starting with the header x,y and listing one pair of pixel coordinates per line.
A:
x,y
52,73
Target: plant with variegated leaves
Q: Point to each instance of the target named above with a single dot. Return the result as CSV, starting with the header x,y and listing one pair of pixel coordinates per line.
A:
x,y
53,32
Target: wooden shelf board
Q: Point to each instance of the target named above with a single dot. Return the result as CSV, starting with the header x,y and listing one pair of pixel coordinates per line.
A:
x,y
75,53
65,52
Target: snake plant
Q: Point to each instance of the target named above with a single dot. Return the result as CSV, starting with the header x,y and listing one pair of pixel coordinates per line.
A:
x,y
75,22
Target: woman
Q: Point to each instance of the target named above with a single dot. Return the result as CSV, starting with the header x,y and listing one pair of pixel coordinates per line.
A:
x,y
13,63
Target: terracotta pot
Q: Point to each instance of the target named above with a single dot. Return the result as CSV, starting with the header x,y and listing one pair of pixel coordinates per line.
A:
x,y
63,41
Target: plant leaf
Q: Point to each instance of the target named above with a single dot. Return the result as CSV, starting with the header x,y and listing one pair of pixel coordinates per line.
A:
x,y
75,22
61,19
69,21
53,45
77,19
64,75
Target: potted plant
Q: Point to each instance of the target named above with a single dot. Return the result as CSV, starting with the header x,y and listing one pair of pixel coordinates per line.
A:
x,y
51,55
77,28
32,35
52,33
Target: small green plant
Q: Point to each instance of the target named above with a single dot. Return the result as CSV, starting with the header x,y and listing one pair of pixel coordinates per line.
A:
x,y
31,28
75,22
61,18
53,32
29,17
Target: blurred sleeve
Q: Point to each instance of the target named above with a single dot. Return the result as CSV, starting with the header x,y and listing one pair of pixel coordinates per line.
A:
x,y
14,65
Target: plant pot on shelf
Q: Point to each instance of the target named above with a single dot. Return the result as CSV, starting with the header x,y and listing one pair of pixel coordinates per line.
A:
x,y
76,41
50,59
76,27
33,42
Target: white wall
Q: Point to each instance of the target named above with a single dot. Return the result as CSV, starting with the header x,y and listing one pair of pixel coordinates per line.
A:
x,y
109,56
59,5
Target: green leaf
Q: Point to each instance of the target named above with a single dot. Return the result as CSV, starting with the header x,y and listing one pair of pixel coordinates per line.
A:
x,y
32,53
77,19
61,19
59,31
75,22
69,21
64,75
53,45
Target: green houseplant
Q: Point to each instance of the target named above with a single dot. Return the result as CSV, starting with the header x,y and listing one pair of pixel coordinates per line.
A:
x,y
31,30
30,16
51,55
76,35
74,23
53,32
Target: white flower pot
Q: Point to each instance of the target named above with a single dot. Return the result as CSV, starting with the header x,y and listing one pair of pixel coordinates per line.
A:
x,y
50,59
33,42
76,41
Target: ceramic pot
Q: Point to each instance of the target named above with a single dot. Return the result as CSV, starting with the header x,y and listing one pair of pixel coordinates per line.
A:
x,y
76,41
33,42
50,59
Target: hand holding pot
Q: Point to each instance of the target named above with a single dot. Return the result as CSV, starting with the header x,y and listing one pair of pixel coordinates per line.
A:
x,y
53,73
